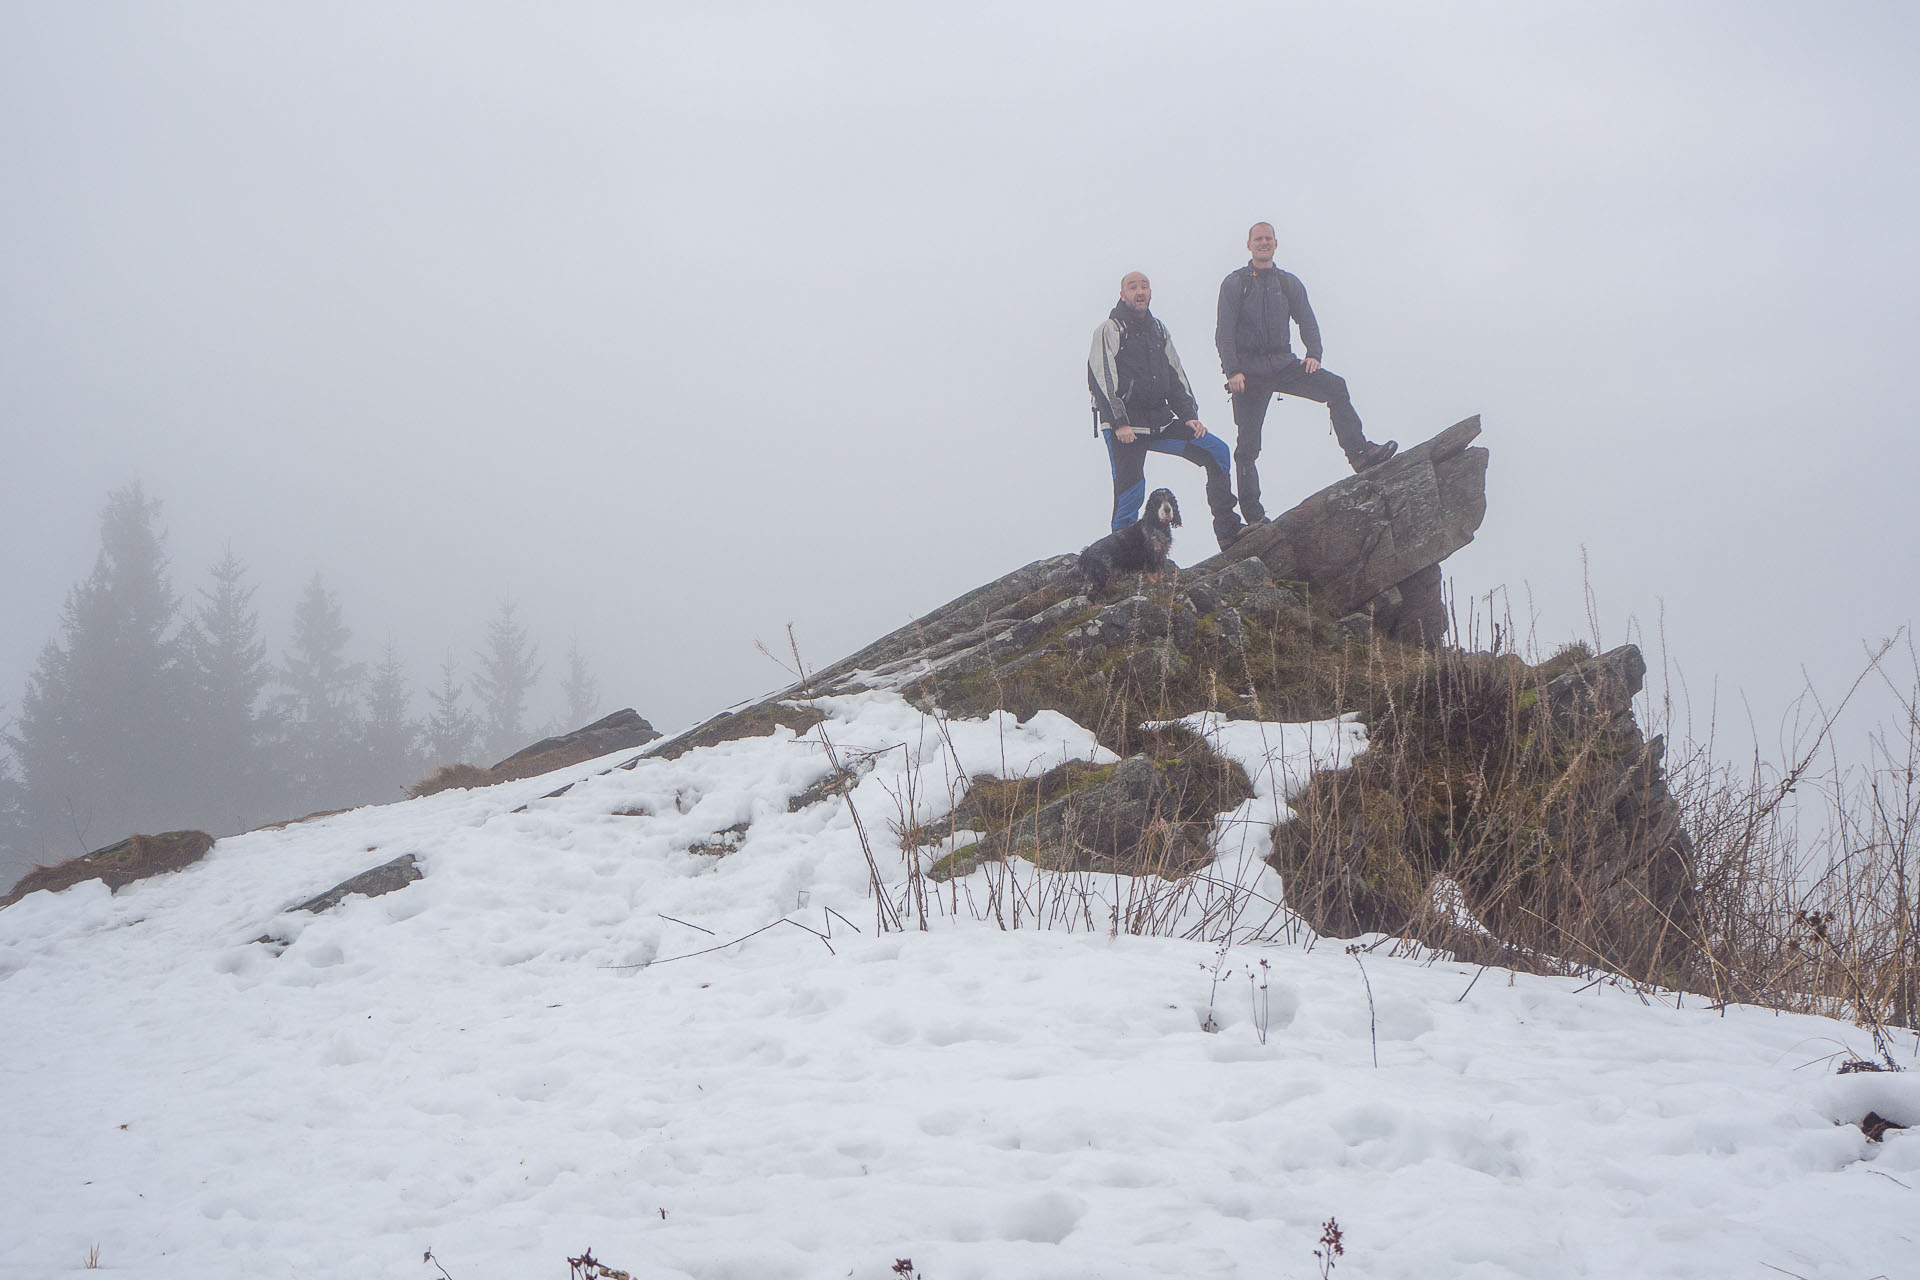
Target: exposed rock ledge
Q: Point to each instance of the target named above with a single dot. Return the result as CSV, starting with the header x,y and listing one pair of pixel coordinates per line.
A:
x,y
1365,551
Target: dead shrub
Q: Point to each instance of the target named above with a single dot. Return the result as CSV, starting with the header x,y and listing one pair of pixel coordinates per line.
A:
x,y
1808,867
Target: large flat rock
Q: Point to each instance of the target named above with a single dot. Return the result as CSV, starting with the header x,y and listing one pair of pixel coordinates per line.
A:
x,y
1358,539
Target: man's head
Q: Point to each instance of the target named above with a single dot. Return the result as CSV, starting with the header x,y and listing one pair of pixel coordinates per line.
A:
x,y
1135,290
1261,243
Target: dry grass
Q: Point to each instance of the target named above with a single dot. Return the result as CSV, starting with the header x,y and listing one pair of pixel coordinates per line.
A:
x,y
1807,867
135,858
452,777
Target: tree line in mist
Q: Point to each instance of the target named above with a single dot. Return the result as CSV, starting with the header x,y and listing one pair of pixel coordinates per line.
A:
x,y
147,712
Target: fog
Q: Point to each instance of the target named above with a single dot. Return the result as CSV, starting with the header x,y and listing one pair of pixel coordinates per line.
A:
x,y
680,327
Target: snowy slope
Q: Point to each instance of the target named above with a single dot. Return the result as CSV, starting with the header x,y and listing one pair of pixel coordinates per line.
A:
x,y
544,1046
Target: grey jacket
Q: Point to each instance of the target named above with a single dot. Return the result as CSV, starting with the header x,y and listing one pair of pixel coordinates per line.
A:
x,y
1135,375
1252,331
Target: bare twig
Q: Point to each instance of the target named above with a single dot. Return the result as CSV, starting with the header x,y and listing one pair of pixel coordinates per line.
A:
x,y
648,964
1373,1021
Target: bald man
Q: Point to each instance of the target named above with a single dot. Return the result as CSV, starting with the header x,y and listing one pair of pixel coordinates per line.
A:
x,y
1259,306
1145,405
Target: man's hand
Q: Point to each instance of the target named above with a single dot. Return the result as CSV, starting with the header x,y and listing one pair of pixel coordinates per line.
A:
x,y
1198,430
1237,383
1123,434
1311,365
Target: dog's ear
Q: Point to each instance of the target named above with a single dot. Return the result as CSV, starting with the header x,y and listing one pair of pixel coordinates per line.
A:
x,y
1176,509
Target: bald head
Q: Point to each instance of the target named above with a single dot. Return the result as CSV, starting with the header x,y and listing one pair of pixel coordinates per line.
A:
x,y
1135,290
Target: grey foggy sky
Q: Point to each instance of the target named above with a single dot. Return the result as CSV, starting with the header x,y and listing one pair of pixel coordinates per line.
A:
x,y
678,326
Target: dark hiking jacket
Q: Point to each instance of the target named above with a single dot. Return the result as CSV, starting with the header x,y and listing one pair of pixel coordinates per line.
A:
x,y
1252,333
1135,374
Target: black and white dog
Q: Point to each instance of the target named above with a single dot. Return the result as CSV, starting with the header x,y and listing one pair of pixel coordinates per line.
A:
x,y
1141,546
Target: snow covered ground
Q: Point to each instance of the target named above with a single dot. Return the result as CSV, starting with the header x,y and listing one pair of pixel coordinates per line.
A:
x,y
545,1046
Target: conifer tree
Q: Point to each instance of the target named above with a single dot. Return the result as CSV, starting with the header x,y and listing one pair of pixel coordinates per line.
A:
x,y
227,675
100,726
507,672
14,859
390,755
450,730
319,702
581,689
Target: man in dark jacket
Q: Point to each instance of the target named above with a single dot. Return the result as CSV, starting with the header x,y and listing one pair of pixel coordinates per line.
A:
x,y
1146,405
1258,304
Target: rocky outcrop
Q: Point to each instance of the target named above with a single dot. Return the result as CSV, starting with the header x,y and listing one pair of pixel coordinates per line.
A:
x,y
1364,553
1531,793
1236,632
624,728
1633,858
1522,798
1370,547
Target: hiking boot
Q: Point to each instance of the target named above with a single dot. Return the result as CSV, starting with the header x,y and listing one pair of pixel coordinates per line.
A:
x,y
1371,456
1227,537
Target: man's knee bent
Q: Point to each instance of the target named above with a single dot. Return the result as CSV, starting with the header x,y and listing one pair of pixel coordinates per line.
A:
x,y
1210,450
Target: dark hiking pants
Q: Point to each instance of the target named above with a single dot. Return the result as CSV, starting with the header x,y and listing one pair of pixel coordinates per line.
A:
x,y
1129,461
1250,414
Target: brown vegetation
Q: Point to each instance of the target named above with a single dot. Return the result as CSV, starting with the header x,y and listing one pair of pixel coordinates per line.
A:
x,y
450,777
117,865
728,726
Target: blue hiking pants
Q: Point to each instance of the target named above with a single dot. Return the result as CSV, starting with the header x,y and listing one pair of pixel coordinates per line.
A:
x,y
1209,452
